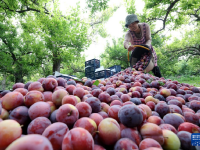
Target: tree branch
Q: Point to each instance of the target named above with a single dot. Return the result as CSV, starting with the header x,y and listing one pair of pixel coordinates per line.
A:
x,y
25,10
165,18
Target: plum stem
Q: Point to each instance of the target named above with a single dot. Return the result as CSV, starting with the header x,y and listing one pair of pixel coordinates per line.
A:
x,y
69,113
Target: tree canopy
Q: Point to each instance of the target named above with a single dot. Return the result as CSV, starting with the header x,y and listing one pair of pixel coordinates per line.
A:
x,y
37,38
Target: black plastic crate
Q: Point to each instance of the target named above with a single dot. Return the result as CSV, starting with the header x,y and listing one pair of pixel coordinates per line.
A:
x,y
102,74
89,69
90,75
115,69
93,62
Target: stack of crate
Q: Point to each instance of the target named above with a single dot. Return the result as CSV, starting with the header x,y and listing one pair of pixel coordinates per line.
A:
x,y
90,67
115,69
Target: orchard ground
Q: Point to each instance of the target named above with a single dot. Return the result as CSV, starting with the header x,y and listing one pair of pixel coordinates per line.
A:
x,y
192,80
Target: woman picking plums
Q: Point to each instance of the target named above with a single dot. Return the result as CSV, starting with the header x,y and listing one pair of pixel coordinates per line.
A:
x,y
138,34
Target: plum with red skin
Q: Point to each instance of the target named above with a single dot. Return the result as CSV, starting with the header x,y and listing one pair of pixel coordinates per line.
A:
x,y
151,130
88,83
115,97
192,118
136,94
194,105
58,88
49,84
36,86
146,85
103,114
159,97
175,109
119,94
175,102
104,107
116,102
55,134
125,98
47,96
70,89
78,138
80,92
38,125
95,104
173,119
12,100
61,81
39,109
125,144
23,91
172,86
151,105
67,114
85,97
28,83
193,97
185,139
20,114
168,127
96,117
155,119
96,92
111,91
113,112
4,114
130,116
84,109
148,143
52,106
104,97
155,84
111,137
195,90
88,124
69,99
10,131
154,113
18,85
33,97
162,109
173,92
32,141
131,133
98,147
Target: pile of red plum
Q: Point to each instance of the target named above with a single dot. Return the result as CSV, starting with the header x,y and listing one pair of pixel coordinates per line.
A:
x,y
143,62
128,111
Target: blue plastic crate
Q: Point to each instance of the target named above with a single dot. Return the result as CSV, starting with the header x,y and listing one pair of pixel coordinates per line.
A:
x,y
102,74
93,62
115,69
89,69
90,75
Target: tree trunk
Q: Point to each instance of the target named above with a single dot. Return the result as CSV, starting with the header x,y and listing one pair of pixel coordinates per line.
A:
x,y
56,63
19,75
3,83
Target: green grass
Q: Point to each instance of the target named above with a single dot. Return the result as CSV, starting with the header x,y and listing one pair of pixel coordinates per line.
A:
x,y
191,80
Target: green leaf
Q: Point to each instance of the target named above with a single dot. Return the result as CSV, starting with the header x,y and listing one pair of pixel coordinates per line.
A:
x,y
96,83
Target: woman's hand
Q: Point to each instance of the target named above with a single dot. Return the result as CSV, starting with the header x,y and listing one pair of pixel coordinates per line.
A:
x,y
130,47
